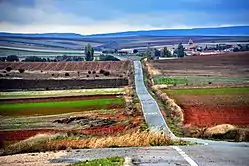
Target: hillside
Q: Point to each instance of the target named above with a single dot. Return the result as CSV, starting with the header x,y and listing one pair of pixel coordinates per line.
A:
x,y
221,31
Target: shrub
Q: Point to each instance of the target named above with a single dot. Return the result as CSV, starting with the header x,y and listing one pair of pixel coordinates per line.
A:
x,y
101,71
8,68
106,73
89,72
12,58
21,70
209,82
66,74
94,72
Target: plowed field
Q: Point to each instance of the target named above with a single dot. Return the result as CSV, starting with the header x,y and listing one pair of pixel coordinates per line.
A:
x,y
211,70
209,107
68,66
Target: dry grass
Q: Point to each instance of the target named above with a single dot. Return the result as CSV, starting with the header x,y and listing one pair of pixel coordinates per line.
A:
x,y
135,138
61,141
219,132
219,129
175,111
29,145
151,70
128,94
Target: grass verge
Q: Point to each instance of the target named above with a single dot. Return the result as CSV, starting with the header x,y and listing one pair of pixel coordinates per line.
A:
x,y
110,161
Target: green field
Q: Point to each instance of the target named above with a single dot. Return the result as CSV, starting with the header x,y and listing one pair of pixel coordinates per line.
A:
x,y
208,91
197,80
48,108
57,93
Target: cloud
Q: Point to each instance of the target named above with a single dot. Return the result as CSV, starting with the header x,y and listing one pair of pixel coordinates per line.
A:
x,y
100,16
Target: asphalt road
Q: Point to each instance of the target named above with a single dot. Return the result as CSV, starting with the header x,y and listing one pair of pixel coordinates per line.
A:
x,y
166,155
151,111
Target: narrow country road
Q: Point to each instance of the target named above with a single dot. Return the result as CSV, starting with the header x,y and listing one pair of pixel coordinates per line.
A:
x,y
151,111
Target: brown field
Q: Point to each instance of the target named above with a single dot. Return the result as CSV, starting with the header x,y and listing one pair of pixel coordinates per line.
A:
x,y
229,64
68,66
64,75
57,70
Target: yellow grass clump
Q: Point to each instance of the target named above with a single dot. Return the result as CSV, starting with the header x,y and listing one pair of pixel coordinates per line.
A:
x,y
136,138
219,129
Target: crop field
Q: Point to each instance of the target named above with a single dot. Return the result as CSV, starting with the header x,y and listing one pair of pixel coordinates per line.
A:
x,y
51,107
83,112
68,66
64,75
229,68
59,93
213,106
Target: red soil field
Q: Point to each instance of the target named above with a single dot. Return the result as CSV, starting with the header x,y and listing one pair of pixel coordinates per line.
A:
x,y
60,98
209,116
68,66
209,110
24,134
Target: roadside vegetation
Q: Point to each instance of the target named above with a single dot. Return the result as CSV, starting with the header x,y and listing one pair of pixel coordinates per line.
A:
x,y
110,161
70,140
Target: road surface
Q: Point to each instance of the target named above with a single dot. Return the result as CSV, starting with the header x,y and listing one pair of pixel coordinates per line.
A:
x,y
143,156
151,111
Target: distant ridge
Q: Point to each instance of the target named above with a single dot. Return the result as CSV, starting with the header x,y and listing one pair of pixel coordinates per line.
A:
x,y
219,31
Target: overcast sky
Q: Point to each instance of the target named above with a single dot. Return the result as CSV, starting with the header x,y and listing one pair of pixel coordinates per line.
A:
x,y
103,16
